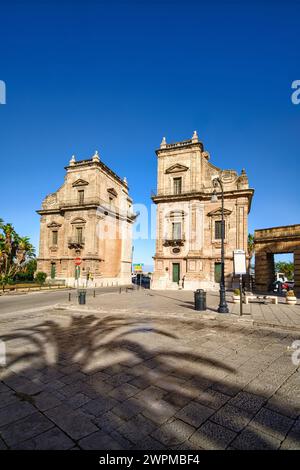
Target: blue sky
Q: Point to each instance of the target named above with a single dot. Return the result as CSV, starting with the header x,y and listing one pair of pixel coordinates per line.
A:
x,y
117,76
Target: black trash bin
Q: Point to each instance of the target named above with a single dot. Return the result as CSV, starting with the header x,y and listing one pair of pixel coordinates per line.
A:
x,y
200,299
81,297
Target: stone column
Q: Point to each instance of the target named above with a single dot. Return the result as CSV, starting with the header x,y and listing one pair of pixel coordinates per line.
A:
x,y
297,271
264,270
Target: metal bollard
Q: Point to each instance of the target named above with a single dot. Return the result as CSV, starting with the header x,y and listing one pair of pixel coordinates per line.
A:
x,y
94,294
200,299
69,296
120,290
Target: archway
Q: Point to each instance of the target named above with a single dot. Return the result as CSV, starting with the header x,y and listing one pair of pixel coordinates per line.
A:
x,y
275,240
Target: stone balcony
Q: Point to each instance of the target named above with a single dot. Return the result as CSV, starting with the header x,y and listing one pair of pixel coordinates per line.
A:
x,y
74,242
174,241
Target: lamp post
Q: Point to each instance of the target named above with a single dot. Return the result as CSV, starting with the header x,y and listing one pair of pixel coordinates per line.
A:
x,y
223,307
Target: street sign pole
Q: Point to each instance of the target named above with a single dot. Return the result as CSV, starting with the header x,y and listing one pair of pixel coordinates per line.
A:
x,y
239,259
241,295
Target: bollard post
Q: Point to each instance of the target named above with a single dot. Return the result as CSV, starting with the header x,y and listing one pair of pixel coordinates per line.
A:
x,y
69,296
241,295
120,290
94,295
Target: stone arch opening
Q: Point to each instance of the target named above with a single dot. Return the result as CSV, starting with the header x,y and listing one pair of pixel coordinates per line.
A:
x,y
271,241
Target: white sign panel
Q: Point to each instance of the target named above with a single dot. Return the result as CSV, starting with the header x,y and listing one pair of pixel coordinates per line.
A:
x,y
239,260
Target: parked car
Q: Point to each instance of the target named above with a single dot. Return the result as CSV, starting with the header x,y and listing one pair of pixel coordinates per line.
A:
x,y
279,286
291,284
141,280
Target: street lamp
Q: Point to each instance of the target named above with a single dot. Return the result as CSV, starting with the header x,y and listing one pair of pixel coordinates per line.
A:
x,y
223,308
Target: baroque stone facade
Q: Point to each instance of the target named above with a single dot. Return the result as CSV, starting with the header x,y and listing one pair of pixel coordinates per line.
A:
x,y
188,224
89,217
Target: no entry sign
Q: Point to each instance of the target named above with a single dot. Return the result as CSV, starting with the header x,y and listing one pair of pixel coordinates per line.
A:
x,y
78,261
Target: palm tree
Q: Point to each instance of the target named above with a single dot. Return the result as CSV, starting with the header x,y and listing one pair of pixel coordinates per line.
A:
x,y
250,245
14,252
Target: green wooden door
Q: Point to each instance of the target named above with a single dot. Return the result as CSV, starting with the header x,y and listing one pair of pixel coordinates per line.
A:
x,y
218,272
53,271
176,272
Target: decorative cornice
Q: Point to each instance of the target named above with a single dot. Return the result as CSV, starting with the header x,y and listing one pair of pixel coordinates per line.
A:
x,y
80,182
112,191
54,225
176,168
218,212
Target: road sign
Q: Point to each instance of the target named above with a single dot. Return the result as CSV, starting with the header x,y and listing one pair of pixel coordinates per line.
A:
x,y
78,261
239,258
138,267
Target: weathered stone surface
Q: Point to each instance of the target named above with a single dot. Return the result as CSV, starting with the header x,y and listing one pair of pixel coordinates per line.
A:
x,y
212,436
46,400
158,411
212,398
2,445
15,411
173,433
99,405
272,423
292,440
25,428
253,439
136,428
232,418
194,414
54,439
185,353
247,402
149,444
99,441
74,422
123,392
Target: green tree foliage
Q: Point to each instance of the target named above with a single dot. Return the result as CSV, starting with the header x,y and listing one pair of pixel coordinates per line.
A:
x,y
40,277
27,273
250,245
15,252
286,268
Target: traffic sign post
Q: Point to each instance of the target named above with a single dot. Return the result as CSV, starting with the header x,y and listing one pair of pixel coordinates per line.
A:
x,y
239,261
77,262
138,268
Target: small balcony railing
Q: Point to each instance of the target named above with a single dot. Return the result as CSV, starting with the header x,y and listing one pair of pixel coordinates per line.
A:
x,y
75,242
174,241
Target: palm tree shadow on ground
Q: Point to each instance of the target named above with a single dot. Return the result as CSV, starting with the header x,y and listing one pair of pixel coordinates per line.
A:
x,y
139,382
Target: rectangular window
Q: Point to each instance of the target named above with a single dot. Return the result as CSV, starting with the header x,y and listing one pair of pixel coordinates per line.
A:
x,y
54,237
176,231
81,196
218,229
177,185
79,234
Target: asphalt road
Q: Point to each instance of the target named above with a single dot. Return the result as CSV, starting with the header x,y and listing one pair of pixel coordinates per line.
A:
x,y
18,302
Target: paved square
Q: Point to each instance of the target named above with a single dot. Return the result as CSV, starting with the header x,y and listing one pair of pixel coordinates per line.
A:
x,y
143,370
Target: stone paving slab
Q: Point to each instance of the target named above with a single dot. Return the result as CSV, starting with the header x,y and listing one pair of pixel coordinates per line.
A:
x,y
158,377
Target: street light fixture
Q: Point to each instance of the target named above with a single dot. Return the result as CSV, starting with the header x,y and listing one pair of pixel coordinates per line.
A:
x,y
223,307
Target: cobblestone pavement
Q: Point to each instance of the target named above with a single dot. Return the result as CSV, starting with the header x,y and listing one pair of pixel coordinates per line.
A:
x,y
154,376
259,312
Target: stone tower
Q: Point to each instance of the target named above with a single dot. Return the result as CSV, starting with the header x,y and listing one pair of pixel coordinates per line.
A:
x,y
188,238
89,217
